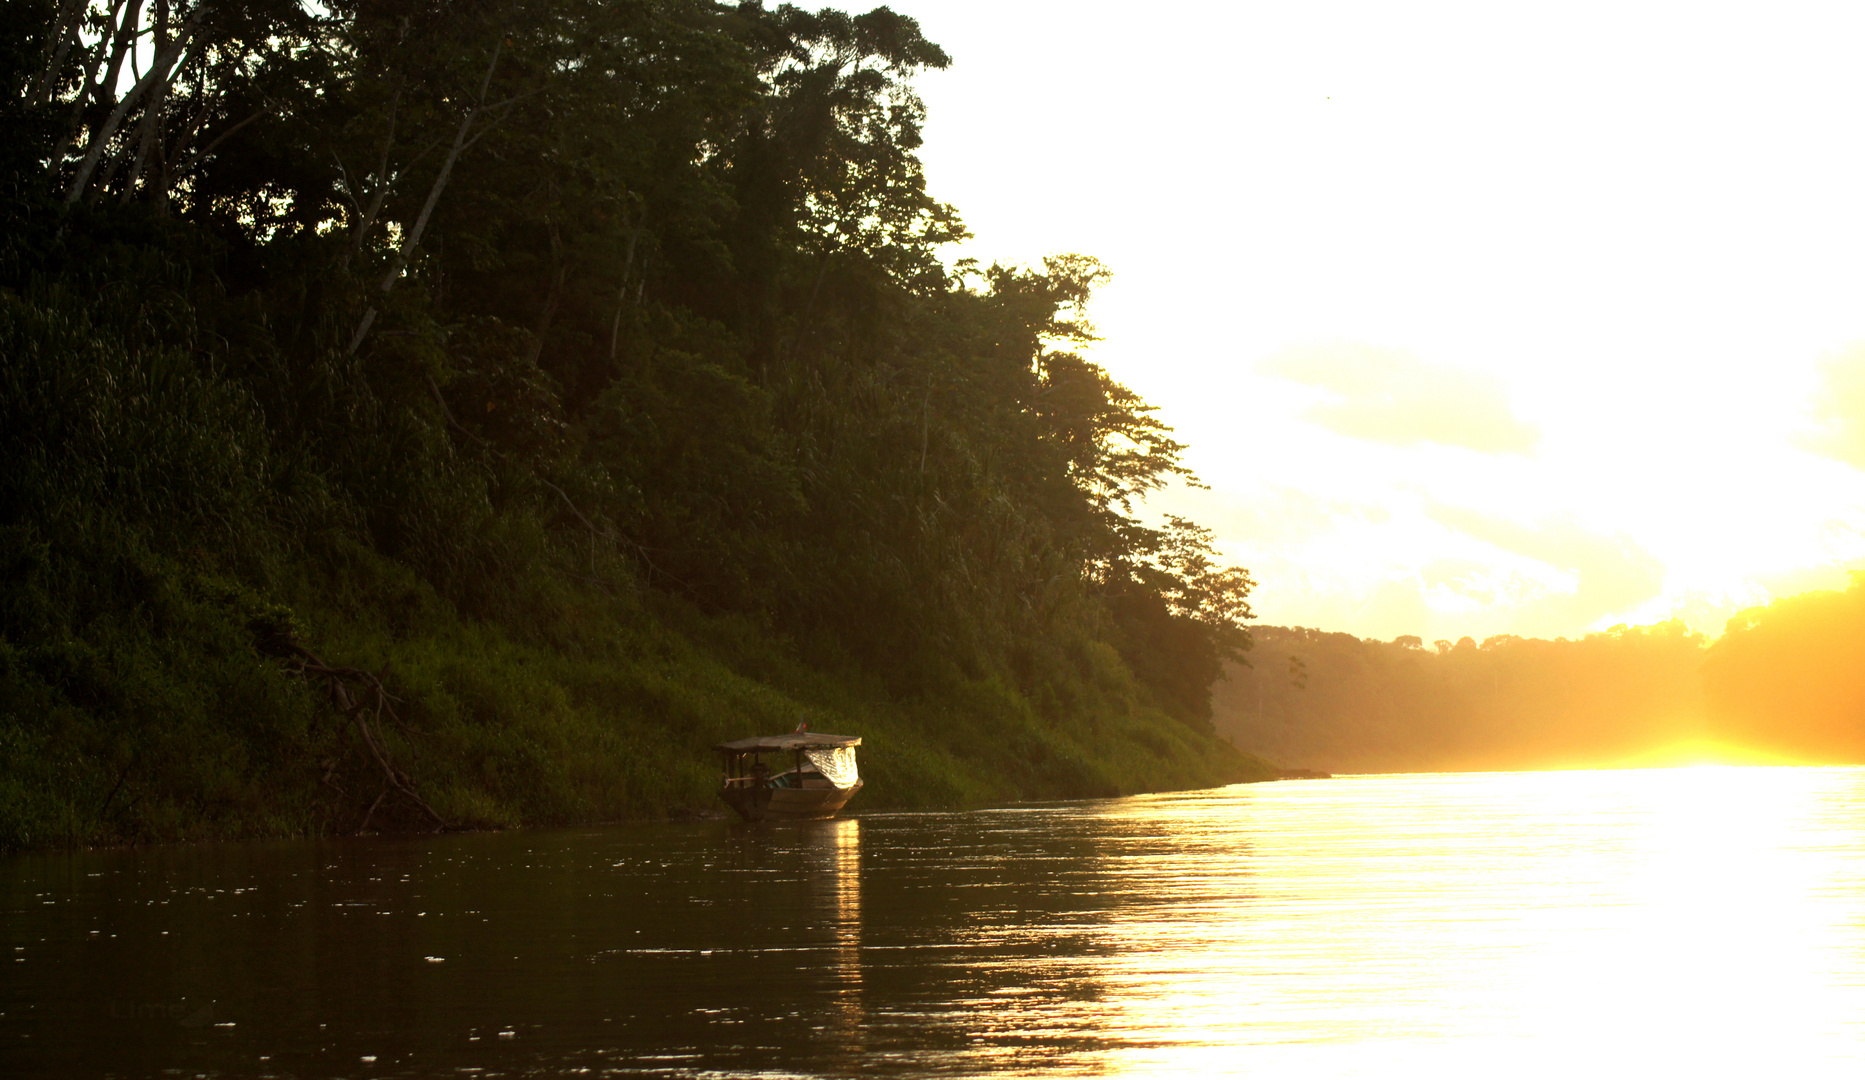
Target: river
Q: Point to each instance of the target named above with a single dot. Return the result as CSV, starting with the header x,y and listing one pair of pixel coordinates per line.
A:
x,y
1706,921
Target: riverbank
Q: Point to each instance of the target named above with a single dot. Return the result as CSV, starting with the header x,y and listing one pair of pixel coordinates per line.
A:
x,y
161,715
347,483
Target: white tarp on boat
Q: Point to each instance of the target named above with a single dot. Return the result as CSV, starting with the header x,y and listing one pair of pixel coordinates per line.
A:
x,y
837,764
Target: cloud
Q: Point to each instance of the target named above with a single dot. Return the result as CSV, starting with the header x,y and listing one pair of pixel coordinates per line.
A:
x,y
1831,577
1838,408
1393,397
1481,582
1613,574
1268,515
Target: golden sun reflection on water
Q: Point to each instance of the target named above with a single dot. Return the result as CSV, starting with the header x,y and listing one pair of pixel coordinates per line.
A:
x,y
1693,922
1698,921
832,854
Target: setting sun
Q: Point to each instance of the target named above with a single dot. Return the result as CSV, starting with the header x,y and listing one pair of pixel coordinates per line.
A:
x,y
1708,754
730,539
1480,319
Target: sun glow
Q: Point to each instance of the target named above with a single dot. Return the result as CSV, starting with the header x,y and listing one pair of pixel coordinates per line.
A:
x,y
1707,754
1628,298
1690,921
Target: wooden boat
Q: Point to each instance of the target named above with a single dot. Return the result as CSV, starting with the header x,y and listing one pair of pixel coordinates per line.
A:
x,y
820,781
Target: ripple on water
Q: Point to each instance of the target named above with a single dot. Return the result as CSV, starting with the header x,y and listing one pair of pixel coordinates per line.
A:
x,y
1657,922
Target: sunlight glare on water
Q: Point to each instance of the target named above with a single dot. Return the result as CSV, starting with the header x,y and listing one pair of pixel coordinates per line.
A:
x,y
1704,920
1686,922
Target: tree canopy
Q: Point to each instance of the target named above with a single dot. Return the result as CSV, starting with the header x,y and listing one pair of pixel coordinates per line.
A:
x,y
648,296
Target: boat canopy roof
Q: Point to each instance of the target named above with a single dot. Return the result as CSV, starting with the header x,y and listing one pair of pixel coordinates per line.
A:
x,y
808,740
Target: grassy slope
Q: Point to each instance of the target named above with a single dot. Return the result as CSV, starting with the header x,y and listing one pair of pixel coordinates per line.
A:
x,y
146,523
165,724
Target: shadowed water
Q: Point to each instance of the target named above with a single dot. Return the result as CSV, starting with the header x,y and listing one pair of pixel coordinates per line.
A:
x,y
1708,921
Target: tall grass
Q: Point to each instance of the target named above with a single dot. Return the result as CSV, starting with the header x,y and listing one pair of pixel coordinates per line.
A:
x,y
148,525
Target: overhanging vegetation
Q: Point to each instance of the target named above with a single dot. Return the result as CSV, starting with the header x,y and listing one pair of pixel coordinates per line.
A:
x,y
583,373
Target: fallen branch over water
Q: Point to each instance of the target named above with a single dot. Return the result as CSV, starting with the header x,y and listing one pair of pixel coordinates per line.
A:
x,y
364,701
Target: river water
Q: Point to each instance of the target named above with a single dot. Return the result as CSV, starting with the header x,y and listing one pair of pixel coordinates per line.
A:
x,y
1706,921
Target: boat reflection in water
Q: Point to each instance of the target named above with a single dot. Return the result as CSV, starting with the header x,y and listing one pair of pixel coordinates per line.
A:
x,y
818,784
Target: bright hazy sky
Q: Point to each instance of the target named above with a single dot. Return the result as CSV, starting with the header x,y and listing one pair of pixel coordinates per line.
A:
x,y
1479,318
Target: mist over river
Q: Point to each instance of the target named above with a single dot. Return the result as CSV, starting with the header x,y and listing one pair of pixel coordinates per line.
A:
x,y
1705,921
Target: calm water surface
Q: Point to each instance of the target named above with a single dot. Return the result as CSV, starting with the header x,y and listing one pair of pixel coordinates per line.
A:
x,y
1639,923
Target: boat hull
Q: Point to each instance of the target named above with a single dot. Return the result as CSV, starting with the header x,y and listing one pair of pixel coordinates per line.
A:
x,y
788,804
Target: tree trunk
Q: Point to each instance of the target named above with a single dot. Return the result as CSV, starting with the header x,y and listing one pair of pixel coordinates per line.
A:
x,y
157,74
413,239
561,266
621,292
58,43
113,45
366,219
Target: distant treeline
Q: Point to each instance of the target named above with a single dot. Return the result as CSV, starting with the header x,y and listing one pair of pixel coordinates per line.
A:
x,y
1790,678
488,404
1785,682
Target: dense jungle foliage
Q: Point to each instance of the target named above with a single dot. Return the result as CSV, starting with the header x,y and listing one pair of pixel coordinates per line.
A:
x,y
1789,678
1345,704
483,406
1783,683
